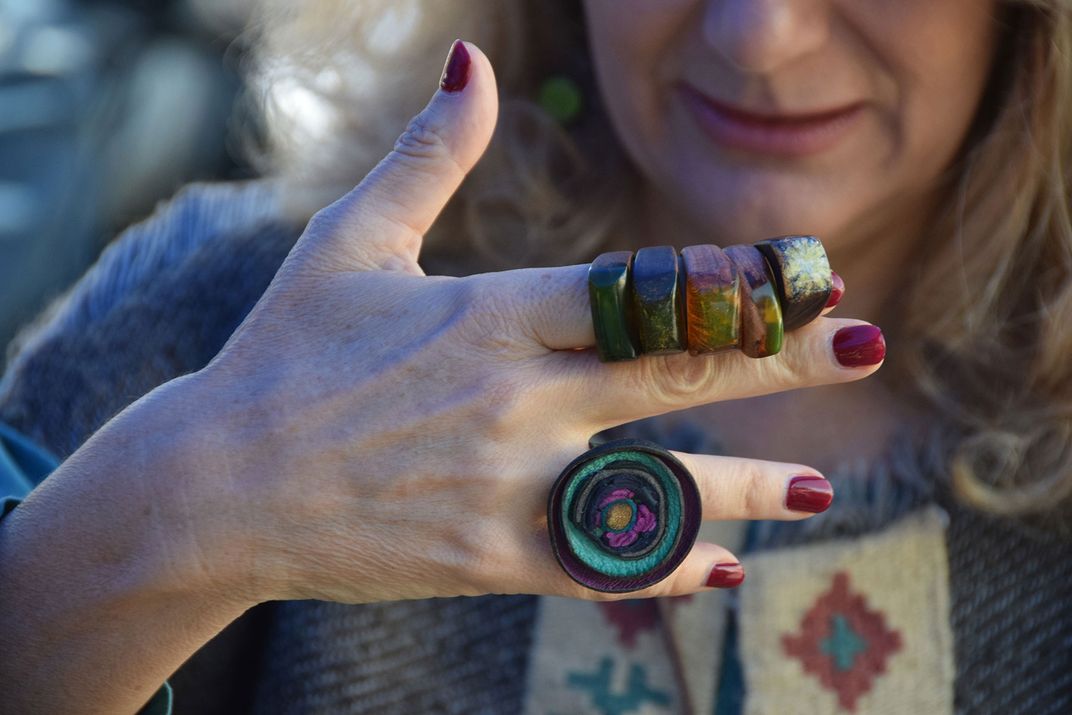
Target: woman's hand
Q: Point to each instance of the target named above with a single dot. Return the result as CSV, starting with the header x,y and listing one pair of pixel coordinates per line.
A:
x,y
383,435
368,433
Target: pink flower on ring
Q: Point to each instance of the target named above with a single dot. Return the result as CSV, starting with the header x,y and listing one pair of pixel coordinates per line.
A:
x,y
644,522
616,495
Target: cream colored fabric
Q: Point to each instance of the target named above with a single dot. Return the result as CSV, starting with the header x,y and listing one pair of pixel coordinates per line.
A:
x,y
697,625
637,644
870,612
592,659
879,628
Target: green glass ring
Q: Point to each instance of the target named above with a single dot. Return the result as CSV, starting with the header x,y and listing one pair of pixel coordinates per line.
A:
x,y
609,296
657,304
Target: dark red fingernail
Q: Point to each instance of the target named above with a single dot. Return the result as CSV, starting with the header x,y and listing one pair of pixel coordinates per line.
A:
x,y
810,493
456,70
859,345
725,576
839,290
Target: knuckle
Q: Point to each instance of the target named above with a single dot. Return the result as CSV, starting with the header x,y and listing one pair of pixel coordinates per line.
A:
x,y
802,362
490,330
753,490
503,412
675,584
791,370
676,379
422,140
489,548
804,355
324,221
498,418
765,375
489,322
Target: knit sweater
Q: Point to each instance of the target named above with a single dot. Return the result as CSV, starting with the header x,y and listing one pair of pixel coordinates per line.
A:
x,y
163,299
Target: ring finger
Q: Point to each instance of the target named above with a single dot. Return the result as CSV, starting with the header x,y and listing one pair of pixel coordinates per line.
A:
x,y
730,489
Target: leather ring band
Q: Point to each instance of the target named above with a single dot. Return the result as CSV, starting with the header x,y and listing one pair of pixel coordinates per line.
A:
x,y
623,515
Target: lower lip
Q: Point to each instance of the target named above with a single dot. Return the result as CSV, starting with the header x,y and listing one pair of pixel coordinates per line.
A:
x,y
778,138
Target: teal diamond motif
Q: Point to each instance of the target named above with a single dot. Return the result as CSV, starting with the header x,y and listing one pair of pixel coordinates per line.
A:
x,y
843,645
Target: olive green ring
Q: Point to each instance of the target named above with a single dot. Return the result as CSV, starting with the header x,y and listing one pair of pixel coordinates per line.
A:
x,y
658,307
609,289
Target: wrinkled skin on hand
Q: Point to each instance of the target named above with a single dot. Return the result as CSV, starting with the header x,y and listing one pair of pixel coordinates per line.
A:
x,y
372,433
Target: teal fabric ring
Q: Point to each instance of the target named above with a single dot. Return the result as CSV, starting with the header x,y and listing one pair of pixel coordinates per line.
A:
x,y
623,515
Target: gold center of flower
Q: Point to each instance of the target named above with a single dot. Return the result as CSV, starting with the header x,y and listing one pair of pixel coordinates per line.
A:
x,y
619,515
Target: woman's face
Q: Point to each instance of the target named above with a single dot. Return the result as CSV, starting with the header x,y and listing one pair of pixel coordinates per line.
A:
x,y
754,118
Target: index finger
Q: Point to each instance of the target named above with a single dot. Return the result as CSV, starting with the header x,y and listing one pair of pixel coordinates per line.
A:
x,y
825,351
555,313
555,310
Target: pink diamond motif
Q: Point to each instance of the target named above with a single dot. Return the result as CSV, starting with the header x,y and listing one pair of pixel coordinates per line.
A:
x,y
843,643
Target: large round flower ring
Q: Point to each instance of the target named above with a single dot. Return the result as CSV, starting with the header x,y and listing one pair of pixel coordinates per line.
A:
x,y
623,515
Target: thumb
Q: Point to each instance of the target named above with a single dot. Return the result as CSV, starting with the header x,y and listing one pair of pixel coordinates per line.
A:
x,y
381,223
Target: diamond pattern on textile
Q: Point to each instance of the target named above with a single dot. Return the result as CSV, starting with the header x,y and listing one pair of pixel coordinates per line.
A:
x,y
856,625
843,642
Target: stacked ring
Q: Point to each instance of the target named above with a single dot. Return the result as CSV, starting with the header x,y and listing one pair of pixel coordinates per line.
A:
x,y
762,328
608,293
623,515
706,299
802,274
712,299
657,301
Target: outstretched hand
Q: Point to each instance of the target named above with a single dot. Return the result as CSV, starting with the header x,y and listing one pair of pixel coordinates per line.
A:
x,y
379,434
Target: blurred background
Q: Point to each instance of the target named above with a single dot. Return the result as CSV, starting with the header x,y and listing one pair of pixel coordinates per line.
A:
x,y
106,107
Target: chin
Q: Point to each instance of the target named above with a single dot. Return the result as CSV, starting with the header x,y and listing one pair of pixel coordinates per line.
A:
x,y
747,221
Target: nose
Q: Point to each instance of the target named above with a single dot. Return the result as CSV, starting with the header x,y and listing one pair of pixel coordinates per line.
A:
x,y
761,35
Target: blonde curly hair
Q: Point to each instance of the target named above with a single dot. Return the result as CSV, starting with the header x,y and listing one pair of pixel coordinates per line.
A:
x,y
985,335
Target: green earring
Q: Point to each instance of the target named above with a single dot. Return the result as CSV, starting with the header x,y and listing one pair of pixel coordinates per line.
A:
x,y
561,98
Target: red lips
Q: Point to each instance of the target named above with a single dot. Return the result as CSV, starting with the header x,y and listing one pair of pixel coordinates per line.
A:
x,y
785,134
